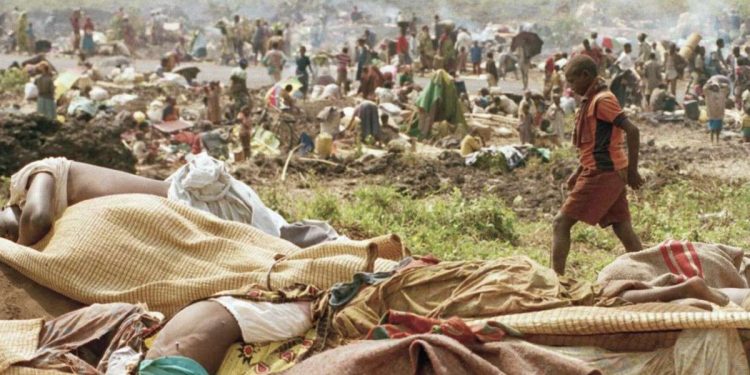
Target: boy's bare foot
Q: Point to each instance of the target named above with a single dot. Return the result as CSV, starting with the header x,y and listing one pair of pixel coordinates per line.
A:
x,y
697,288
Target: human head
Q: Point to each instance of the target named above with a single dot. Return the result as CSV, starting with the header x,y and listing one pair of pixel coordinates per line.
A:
x,y
490,55
9,223
736,51
384,119
642,37
628,48
580,73
720,43
476,43
586,44
425,28
652,56
556,99
462,49
288,88
484,91
275,45
361,42
236,18
526,107
345,50
594,35
243,64
302,50
672,48
499,49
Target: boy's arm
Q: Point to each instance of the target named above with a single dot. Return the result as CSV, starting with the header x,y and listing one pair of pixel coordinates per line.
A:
x,y
633,137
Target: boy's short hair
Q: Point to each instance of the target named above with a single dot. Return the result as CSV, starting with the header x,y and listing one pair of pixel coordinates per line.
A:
x,y
580,64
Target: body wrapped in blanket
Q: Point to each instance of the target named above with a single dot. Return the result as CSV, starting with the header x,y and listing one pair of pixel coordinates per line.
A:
x,y
42,190
143,248
351,312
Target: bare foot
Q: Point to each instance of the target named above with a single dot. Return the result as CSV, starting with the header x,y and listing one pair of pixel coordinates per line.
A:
x,y
697,288
693,302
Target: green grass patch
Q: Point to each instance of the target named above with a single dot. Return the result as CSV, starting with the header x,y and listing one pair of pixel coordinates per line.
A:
x,y
454,227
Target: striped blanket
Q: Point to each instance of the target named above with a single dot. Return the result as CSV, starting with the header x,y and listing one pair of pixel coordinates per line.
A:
x,y
146,249
720,265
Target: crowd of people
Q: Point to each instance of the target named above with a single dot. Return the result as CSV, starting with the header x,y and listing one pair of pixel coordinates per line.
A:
x,y
600,85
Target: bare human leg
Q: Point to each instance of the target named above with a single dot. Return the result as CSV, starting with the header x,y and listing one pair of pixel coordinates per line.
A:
x,y
627,236
561,241
203,331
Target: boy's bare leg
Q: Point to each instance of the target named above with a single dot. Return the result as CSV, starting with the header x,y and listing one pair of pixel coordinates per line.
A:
x,y
627,236
561,241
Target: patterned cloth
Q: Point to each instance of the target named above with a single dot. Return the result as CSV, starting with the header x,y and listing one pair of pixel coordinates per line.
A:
x,y
396,325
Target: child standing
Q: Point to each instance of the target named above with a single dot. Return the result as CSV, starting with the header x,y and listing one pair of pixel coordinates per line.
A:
x,y
476,58
491,68
525,126
716,99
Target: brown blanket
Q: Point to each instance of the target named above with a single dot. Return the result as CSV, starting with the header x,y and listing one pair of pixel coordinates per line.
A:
x,y
466,289
720,265
437,354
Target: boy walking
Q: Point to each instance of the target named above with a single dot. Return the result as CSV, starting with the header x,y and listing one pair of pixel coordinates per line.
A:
x,y
598,186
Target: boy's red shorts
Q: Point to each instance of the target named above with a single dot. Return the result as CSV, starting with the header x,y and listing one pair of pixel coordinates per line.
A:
x,y
599,197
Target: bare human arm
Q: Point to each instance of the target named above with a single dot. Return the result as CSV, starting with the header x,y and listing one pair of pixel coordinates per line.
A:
x,y
633,138
37,215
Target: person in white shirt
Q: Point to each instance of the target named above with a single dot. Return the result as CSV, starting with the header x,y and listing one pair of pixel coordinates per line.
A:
x,y
625,61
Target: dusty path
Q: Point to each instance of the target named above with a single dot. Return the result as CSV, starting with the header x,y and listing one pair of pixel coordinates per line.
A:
x,y
257,76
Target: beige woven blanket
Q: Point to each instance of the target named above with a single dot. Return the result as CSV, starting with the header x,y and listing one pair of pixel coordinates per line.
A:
x,y
141,248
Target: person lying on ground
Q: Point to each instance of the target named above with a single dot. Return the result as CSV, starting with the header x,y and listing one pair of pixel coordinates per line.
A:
x,y
598,186
204,330
41,191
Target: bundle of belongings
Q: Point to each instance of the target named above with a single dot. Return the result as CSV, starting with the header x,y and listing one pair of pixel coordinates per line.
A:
x,y
505,158
439,102
174,289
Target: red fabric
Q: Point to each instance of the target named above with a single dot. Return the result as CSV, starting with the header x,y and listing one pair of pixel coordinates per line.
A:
x,y
89,25
598,198
396,324
681,258
402,45
549,66
189,138
594,53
